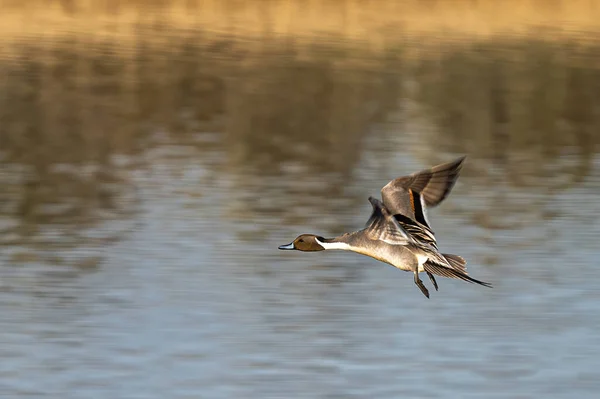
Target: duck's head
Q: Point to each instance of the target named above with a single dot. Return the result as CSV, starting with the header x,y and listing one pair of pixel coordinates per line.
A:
x,y
306,243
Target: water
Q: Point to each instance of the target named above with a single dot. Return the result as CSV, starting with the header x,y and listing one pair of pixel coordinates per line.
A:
x,y
144,198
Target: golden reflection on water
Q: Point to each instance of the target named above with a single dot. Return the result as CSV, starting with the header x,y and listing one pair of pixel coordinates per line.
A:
x,y
73,102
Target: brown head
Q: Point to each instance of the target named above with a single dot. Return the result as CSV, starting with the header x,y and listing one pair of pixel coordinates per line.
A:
x,y
306,243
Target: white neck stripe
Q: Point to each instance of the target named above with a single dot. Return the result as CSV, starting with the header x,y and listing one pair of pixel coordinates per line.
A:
x,y
333,245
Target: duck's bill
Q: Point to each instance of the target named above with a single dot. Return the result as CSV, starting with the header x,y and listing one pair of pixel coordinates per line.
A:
x,y
288,246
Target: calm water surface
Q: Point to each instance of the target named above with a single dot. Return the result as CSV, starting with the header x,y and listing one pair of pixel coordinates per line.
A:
x,y
139,250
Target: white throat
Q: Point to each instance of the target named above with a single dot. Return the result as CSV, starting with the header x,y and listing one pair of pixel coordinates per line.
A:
x,y
333,245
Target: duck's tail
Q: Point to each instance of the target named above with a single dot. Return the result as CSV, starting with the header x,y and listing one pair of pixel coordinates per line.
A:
x,y
457,262
443,271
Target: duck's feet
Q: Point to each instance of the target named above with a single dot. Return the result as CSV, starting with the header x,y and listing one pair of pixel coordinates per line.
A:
x,y
420,284
433,280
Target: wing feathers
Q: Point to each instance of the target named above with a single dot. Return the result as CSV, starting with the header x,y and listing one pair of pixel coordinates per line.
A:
x,y
433,185
418,231
436,183
382,225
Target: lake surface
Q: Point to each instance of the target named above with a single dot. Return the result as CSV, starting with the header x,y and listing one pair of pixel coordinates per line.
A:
x,y
146,187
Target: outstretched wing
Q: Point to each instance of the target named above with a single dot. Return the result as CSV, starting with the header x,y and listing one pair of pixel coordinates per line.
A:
x,y
411,195
383,226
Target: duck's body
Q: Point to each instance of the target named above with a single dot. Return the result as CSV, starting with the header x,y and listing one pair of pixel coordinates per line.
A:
x,y
398,231
399,256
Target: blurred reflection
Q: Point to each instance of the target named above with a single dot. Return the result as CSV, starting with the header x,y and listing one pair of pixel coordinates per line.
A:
x,y
517,96
289,118
60,176
296,127
523,104
151,161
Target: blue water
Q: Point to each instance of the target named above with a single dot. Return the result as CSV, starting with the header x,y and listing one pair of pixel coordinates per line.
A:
x,y
193,300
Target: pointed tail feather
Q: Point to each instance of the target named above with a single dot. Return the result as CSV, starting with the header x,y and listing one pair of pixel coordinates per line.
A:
x,y
452,273
457,262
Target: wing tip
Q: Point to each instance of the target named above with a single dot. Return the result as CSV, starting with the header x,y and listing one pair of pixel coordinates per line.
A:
x,y
446,176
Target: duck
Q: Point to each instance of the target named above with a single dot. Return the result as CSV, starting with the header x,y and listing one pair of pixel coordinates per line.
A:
x,y
398,232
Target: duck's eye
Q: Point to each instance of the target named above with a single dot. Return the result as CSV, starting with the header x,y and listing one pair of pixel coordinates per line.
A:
x,y
301,240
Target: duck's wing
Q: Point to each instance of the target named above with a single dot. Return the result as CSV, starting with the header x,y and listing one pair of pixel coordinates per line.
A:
x,y
418,231
423,235
383,226
411,195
